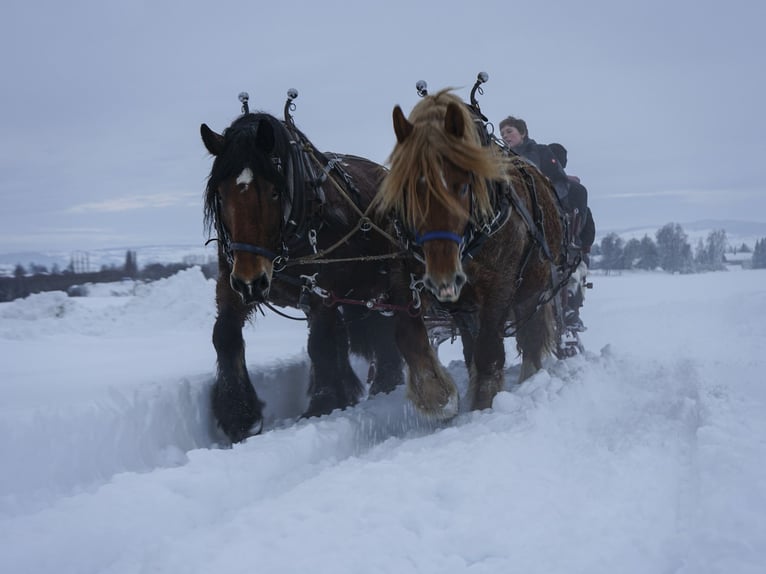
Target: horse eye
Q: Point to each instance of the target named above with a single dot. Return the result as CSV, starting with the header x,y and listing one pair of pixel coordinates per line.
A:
x,y
274,195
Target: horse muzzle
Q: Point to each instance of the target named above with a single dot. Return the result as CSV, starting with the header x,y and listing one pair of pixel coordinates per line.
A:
x,y
446,290
444,276
251,291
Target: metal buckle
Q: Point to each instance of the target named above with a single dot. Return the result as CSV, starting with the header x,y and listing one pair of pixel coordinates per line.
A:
x,y
416,286
279,264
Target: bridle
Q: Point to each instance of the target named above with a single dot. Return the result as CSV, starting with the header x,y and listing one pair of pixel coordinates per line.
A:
x,y
306,172
475,234
442,234
229,247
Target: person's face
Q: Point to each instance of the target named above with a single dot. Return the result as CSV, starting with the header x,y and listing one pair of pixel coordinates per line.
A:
x,y
511,136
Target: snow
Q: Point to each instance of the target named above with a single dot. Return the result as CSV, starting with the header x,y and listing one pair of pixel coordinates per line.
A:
x,y
647,454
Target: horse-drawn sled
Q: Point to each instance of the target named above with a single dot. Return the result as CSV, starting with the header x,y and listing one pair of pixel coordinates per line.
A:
x,y
460,237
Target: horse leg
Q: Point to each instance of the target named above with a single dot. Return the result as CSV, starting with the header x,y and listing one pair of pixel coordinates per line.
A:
x,y
535,339
235,403
389,366
486,371
466,324
388,361
429,386
333,385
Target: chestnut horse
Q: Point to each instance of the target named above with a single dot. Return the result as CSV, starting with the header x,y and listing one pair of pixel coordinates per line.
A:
x,y
281,210
491,233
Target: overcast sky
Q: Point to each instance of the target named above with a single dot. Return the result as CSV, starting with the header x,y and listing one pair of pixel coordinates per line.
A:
x,y
660,103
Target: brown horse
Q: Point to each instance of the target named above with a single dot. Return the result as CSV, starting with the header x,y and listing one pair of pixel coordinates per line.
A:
x,y
491,236
281,211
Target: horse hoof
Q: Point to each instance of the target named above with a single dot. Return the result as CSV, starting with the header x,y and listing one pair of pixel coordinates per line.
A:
x,y
240,433
321,404
240,424
449,410
256,429
384,388
443,412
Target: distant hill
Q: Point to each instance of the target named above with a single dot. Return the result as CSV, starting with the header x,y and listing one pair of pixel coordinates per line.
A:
x,y
737,232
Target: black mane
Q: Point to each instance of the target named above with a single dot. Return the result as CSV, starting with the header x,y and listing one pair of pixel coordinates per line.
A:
x,y
241,149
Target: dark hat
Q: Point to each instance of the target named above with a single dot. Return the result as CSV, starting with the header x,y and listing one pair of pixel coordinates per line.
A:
x,y
559,152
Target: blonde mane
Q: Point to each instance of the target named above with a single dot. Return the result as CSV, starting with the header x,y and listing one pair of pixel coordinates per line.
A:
x,y
424,152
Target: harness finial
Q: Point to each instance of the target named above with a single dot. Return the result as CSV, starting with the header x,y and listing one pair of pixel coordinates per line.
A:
x,y
292,93
422,87
481,78
244,97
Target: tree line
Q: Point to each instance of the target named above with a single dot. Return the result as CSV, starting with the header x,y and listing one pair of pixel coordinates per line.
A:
x,y
671,251
38,278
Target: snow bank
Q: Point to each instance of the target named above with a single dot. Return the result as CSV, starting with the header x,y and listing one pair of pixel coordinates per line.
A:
x,y
107,393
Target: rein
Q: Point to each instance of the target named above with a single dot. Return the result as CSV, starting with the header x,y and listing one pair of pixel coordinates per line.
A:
x,y
364,223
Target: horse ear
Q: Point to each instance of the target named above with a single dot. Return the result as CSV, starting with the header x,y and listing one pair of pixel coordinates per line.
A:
x,y
264,137
213,142
454,121
402,127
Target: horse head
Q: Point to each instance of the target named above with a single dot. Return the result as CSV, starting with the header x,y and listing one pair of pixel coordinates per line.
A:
x,y
437,185
246,198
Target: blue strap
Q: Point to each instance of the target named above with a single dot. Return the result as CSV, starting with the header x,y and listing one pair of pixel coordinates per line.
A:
x,y
253,249
432,235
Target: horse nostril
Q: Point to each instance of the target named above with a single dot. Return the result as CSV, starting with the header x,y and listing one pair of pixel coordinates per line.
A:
x,y
262,283
237,284
460,280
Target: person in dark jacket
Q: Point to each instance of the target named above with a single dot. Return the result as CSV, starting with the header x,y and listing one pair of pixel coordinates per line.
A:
x,y
551,161
577,189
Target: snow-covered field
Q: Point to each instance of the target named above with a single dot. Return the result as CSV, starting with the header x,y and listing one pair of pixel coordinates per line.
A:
x,y
645,455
